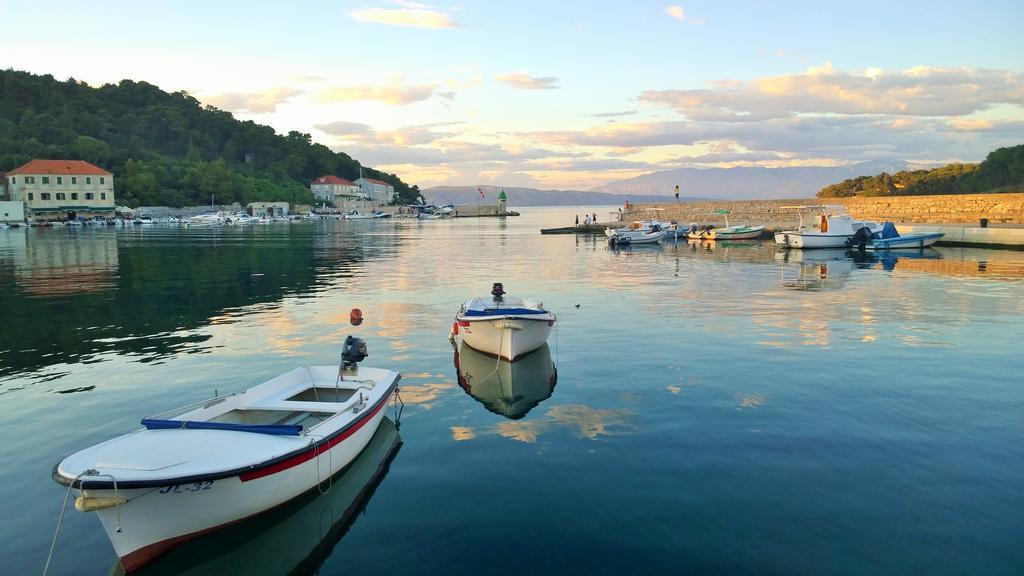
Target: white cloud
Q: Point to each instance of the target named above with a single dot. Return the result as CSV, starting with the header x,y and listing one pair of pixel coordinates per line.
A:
x,y
411,15
525,82
261,102
677,13
394,93
920,91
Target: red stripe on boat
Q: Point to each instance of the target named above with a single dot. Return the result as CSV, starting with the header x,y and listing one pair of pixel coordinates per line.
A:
x,y
309,454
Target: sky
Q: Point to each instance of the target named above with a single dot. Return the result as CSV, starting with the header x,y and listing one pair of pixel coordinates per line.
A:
x,y
568,94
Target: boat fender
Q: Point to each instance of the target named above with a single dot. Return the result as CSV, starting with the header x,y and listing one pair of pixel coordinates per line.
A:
x,y
455,330
93,503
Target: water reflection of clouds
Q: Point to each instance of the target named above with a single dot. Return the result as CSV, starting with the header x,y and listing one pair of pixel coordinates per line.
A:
x,y
585,422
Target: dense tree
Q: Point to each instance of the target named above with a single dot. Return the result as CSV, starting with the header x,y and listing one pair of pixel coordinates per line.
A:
x,y
1002,171
164,148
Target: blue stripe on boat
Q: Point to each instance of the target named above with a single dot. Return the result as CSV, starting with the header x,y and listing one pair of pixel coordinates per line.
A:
x,y
504,312
277,430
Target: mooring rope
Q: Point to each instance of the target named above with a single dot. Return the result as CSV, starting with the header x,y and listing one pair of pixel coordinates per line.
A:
x,y
60,521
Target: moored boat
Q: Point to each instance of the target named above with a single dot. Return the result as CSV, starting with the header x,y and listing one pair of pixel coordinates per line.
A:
x,y
641,232
738,232
503,326
213,463
827,226
888,238
295,538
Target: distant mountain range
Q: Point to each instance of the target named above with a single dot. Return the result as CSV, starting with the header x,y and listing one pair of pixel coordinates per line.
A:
x,y
533,197
743,183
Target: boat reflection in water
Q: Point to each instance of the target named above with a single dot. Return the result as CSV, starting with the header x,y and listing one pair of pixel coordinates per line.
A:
x,y
821,269
508,388
828,268
294,538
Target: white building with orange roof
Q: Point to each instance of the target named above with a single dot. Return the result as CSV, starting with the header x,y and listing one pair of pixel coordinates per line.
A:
x,y
62,189
377,191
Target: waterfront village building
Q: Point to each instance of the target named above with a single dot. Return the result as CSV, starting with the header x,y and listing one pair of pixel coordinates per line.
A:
x,y
267,208
62,189
376,191
3,187
330,188
11,211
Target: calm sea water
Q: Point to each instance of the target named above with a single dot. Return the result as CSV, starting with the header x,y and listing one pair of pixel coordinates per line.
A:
x,y
718,408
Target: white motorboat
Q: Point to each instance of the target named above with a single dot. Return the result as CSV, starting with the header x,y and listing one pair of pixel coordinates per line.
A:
x,y
826,226
357,215
508,388
643,232
295,538
738,232
890,239
208,219
503,326
213,463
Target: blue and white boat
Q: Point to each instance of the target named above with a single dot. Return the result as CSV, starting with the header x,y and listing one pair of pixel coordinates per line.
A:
x,y
503,326
888,238
216,462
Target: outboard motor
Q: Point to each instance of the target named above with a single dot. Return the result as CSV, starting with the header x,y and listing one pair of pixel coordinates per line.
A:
x,y
860,238
353,351
497,290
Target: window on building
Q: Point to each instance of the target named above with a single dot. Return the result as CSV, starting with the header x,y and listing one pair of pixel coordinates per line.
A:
x,y
60,180
29,196
103,180
74,179
88,180
12,180
30,179
89,195
74,195
61,196
103,195
46,179
44,196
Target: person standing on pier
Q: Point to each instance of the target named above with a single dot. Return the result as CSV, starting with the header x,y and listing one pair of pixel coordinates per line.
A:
x,y
577,219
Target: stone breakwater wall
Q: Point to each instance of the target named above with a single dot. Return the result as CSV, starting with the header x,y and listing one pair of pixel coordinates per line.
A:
x,y
947,209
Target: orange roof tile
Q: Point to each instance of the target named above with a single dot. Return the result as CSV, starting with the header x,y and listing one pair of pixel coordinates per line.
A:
x,y
332,179
70,167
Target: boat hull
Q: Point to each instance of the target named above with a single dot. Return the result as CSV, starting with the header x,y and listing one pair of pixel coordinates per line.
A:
x,y
908,241
803,240
507,337
156,519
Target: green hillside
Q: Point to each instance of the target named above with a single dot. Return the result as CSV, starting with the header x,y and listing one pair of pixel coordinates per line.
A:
x,y
163,148
1002,171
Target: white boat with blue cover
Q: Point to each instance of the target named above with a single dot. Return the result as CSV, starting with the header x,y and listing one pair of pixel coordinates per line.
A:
x,y
210,464
890,239
641,232
503,326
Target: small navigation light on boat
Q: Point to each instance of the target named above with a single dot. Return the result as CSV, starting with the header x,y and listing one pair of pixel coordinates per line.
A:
x,y
501,325
212,463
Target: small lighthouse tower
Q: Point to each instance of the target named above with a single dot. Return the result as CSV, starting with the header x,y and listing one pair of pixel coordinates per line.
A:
x,y
502,208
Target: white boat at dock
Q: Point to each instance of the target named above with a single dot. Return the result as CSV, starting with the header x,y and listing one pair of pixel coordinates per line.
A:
x,y
640,232
826,226
890,239
213,463
738,232
503,326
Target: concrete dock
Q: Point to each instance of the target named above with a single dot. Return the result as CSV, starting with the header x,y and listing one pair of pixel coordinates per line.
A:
x,y
1004,236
